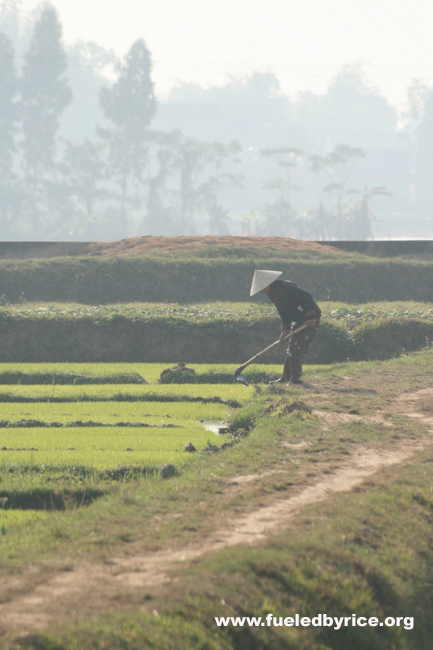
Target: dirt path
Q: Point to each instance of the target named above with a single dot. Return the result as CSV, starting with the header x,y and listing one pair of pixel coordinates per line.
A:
x,y
131,577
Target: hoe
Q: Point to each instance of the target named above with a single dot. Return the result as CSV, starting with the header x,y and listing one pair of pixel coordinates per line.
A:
x,y
238,372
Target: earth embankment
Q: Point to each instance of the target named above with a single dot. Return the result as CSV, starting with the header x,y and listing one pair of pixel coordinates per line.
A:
x,y
104,280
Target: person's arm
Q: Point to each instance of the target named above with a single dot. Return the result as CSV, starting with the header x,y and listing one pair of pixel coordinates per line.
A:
x,y
286,323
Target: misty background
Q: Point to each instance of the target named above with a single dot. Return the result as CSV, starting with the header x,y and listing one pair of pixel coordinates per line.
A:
x,y
88,152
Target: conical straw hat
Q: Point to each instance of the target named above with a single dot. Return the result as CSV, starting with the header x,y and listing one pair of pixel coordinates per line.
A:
x,y
262,279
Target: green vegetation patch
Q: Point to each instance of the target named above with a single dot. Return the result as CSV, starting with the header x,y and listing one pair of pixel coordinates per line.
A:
x,y
218,393
13,519
199,335
250,311
141,278
153,413
59,442
388,338
101,447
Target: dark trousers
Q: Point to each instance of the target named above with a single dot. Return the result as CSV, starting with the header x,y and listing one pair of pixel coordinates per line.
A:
x,y
299,344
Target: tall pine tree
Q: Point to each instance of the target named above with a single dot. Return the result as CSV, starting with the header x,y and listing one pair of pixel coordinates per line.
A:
x,y
45,94
130,105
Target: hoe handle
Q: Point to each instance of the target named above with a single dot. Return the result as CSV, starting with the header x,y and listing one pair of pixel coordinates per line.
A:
x,y
273,345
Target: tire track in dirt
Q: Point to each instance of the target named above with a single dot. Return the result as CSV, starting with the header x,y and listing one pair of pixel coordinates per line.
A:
x,y
122,577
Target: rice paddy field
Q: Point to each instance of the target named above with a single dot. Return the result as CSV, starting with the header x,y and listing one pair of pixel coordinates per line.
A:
x,y
62,445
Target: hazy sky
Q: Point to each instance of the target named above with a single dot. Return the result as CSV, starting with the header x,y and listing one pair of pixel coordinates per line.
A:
x,y
304,42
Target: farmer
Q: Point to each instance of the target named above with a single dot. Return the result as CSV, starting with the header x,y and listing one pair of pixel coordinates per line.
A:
x,y
296,308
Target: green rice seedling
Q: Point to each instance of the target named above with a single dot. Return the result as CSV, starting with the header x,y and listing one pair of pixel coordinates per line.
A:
x,y
120,373
72,372
100,447
98,438
112,412
221,392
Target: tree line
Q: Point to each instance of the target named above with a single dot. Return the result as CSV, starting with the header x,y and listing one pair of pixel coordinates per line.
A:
x,y
134,179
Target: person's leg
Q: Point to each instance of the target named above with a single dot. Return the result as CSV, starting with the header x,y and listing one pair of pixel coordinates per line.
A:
x,y
295,370
286,373
299,344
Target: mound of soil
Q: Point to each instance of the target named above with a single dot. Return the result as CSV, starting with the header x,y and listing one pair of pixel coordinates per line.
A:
x,y
179,374
185,244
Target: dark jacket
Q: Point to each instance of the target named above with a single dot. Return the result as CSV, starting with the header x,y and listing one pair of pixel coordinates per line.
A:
x,y
294,304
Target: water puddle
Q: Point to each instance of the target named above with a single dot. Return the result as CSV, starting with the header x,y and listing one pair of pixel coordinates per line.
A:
x,y
219,428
